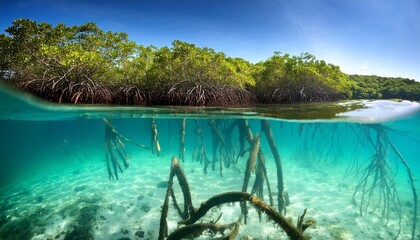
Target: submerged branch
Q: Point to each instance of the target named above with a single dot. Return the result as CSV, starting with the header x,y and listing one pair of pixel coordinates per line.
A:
x,y
192,215
195,230
154,141
115,150
376,190
265,125
230,197
182,140
413,189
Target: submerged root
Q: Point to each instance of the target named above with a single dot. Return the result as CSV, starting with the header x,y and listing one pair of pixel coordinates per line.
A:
x,y
177,171
376,190
154,140
219,142
265,126
182,140
115,150
195,230
261,176
200,153
302,225
229,133
191,215
261,171
230,197
250,167
413,189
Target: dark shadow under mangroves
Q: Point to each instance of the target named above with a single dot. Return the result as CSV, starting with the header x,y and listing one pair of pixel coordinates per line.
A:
x,y
19,105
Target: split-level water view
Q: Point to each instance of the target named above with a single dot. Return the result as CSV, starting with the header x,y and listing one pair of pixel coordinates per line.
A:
x,y
346,170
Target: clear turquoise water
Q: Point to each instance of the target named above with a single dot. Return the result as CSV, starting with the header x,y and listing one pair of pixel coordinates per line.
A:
x,y
53,170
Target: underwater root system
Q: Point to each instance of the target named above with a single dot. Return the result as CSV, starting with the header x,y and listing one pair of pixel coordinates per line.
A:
x,y
196,230
219,143
200,153
115,150
191,215
376,190
154,140
182,140
265,126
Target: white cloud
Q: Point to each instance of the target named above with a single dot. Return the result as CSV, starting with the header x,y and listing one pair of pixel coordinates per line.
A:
x,y
364,66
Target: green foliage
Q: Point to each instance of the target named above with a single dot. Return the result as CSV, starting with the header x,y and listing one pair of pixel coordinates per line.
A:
x,y
376,87
78,53
137,68
82,63
42,51
5,54
184,62
285,78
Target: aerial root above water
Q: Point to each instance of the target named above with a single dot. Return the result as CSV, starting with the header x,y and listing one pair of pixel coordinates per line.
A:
x,y
198,93
191,215
130,95
72,86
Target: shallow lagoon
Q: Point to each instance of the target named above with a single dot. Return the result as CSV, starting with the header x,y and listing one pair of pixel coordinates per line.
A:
x,y
343,162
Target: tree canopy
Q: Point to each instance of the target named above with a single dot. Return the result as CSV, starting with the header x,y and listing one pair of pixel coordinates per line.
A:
x,y
84,64
376,87
284,78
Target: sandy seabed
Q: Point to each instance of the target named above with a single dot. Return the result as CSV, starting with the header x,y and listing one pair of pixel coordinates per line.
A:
x,y
61,197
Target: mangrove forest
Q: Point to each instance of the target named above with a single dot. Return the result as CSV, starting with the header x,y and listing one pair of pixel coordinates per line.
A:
x,y
84,64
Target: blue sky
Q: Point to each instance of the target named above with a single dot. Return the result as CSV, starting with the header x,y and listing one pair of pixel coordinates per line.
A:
x,y
380,37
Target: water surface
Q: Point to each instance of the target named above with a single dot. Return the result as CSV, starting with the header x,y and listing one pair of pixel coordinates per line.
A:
x,y
346,163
